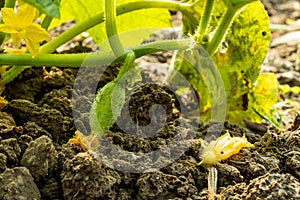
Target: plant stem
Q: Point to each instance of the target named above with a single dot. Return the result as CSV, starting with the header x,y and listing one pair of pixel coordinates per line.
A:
x,y
223,27
127,65
212,182
13,73
46,22
104,57
205,18
111,28
185,8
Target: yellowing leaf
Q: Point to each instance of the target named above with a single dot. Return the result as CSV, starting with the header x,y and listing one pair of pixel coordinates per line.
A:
x,y
238,59
264,94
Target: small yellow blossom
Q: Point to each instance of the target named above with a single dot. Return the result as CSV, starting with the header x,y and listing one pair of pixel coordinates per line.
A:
x,y
224,147
15,51
3,103
20,26
86,142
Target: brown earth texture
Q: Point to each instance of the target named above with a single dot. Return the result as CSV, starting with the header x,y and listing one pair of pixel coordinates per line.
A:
x,y
37,161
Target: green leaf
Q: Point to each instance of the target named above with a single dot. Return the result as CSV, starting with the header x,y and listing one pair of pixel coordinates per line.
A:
x,y
247,41
287,89
104,112
81,10
232,3
260,99
238,59
110,100
49,7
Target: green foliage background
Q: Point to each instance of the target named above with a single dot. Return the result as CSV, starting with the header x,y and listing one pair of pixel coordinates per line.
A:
x,y
81,10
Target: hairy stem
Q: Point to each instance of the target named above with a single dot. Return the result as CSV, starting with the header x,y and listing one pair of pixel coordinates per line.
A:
x,y
223,27
205,18
13,73
111,28
128,64
185,8
104,57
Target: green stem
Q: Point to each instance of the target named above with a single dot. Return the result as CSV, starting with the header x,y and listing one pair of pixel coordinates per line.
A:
x,y
185,8
205,18
128,64
13,73
222,28
46,22
104,57
111,28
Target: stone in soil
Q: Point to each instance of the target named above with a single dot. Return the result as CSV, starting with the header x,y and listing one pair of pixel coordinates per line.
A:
x,y
41,158
268,187
17,183
83,177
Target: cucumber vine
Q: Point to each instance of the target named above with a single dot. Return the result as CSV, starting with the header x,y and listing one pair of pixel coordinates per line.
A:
x,y
209,23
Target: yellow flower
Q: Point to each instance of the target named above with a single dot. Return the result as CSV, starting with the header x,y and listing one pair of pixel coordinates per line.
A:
x,y
20,26
15,51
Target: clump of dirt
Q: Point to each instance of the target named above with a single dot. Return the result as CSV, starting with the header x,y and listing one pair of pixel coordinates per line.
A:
x,y
34,136
268,186
18,183
147,111
91,179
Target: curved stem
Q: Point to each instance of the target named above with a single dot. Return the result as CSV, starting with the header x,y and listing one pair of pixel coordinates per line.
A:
x,y
185,8
101,58
127,65
111,28
223,27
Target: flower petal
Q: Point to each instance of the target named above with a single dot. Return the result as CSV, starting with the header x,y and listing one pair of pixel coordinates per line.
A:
x,y
33,35
15,51
26,14
36,33
16,38
7,29
9,17
32,46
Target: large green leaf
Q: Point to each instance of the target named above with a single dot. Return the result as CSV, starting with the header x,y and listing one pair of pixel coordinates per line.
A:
x,y
49,7
238,60
247,41
81,10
